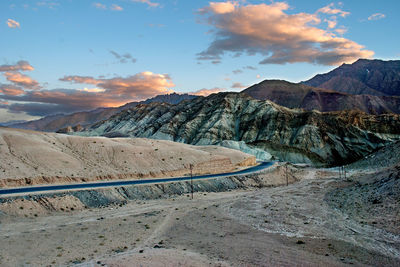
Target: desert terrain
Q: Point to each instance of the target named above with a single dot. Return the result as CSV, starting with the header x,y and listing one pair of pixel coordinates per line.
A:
x,y
263,222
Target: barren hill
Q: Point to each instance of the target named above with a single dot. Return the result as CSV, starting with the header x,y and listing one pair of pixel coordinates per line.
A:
x,y
29,157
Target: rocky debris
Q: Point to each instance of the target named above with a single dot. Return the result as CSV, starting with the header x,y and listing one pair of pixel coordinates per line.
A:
x,y
373,77
333,138
294,95
371,199
70,129
385,157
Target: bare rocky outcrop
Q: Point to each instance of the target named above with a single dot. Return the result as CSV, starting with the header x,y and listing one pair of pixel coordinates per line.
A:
x,y
332,138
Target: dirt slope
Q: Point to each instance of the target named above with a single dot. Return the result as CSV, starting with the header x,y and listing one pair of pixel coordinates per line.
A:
x,y
29,157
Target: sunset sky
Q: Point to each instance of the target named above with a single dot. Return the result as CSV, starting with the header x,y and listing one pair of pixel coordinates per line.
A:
x,y
70,55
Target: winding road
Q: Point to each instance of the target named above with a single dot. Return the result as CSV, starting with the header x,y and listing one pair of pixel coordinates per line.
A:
x,y
44,188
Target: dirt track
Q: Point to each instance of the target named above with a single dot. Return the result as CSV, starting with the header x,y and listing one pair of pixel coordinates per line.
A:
x,y
286,226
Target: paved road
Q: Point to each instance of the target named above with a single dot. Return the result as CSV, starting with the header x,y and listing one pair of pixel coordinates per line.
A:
x,y
34,189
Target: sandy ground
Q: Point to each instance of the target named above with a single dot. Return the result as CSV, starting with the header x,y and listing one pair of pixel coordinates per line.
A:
x,y
29,158
278,226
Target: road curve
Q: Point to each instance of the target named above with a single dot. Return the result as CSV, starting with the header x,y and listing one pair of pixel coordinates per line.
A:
x,y
44,188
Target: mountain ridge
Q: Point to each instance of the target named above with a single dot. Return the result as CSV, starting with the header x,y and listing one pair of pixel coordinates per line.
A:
x,y
365,76
328,138
54,123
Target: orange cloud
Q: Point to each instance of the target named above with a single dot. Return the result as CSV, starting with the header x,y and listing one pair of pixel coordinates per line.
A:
x,y
206,92
22,80
139,86
21,65
280,37
8,89
12,23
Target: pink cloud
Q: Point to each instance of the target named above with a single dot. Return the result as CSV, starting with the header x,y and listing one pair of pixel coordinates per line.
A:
x,y
12,23
116,7
99,6
280,37
20,66
8,89
22,80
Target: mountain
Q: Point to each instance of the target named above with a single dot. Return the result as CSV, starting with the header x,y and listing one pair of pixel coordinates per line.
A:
x,y
53,123
372,77
299,136
293,95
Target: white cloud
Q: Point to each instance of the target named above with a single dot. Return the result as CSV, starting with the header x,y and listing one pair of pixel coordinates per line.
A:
x,y
376,16
147,2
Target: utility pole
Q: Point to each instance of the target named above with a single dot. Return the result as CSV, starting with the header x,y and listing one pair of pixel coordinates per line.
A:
x,y
191,177
287,178
344,172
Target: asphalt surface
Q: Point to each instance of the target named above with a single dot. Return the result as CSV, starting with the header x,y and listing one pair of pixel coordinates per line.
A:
x,y
44,188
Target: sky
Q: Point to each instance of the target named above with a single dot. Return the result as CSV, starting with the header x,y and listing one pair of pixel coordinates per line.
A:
x,y
63,56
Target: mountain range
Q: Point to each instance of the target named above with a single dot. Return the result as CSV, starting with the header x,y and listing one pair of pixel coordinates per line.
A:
x,y
372,77
54,123
294,135
352,113
298,95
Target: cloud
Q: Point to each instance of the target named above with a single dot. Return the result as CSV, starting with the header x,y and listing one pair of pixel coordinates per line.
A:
x,y
148,2
105,93
20,66
280,37
12,23
206,92
237,71
22,80
38,109
250,68
99,6
376,16
111,93
331,10
49,4
125,58
238,85
9,89
116,7
139,86
331,22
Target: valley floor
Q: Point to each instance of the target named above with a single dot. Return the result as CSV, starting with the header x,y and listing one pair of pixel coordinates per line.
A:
x,y
278,226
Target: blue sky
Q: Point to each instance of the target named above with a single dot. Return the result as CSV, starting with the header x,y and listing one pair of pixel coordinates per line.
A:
x,y
157,46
